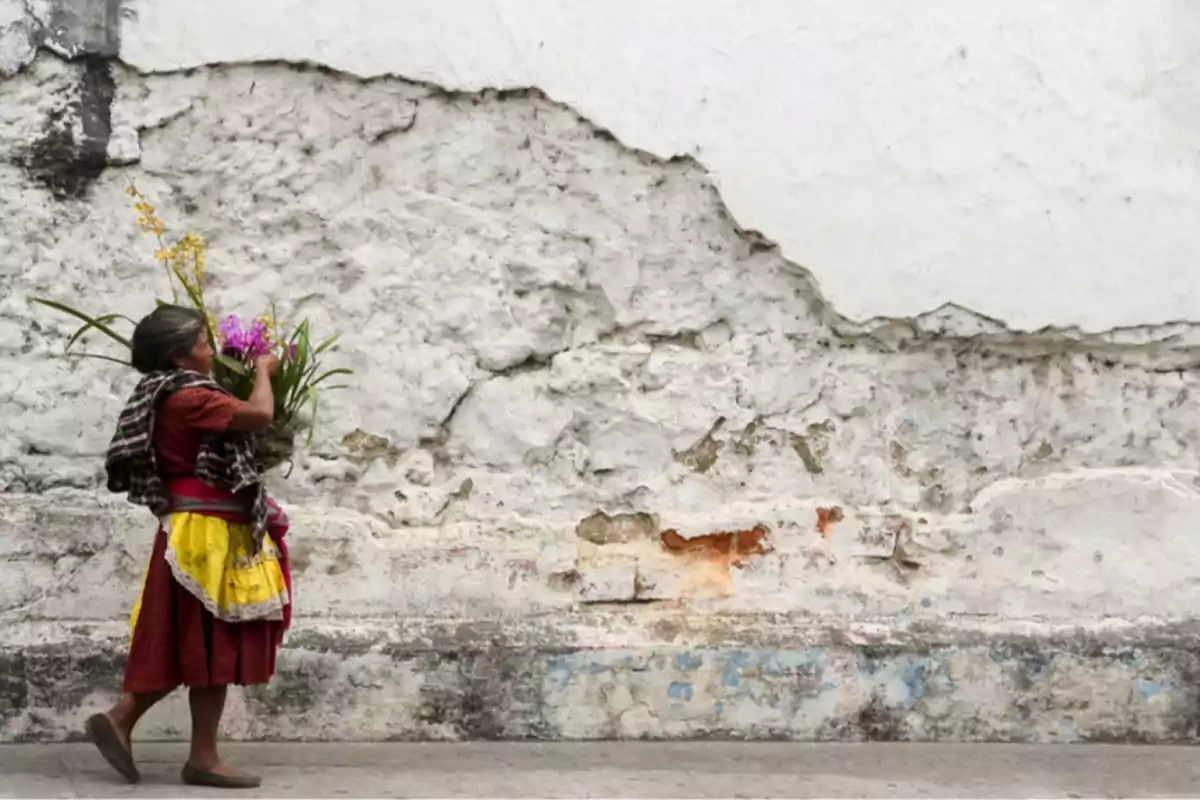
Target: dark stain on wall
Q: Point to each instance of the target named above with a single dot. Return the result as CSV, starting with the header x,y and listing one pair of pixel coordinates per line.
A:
x,y
40,683
476,682
72,151
488,694
878,722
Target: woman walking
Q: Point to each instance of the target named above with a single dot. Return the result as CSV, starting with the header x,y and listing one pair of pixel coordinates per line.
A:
x,y
216,597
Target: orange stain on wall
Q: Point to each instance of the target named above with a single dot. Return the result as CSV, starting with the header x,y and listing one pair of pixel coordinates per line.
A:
x,y
712,555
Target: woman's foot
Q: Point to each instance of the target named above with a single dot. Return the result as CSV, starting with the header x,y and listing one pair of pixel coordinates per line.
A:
x,y
218,776
113,743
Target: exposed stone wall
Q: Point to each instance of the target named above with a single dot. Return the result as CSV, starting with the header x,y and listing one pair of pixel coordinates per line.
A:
x,y
610,464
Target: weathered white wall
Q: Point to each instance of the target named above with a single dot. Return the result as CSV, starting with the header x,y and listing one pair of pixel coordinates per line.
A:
x,y
1033,162
550,327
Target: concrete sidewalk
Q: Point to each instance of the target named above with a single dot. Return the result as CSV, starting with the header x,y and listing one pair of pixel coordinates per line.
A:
x,y
630,769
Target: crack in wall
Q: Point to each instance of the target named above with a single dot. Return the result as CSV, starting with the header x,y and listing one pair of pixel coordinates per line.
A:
x,y
949,325
77,28
895,421
990,348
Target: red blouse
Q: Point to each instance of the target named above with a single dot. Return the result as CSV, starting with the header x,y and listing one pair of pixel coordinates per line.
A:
x,y
182,419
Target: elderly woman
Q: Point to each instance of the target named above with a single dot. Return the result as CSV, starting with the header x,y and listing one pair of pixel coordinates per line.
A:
x,y
216,595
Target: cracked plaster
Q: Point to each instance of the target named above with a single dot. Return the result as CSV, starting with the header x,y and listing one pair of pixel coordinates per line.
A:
x,y
1019,167
547,315
1030,163
547,324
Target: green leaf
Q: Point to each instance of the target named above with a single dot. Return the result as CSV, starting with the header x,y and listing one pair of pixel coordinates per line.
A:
x,y
328,343
330,374
98,356
102,320
194,297
232,364
298,368
92,322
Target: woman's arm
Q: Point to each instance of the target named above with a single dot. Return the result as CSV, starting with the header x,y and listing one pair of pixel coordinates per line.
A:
x,y
257,413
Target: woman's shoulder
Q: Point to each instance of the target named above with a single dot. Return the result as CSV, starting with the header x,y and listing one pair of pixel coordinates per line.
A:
x,y
193,396
198,407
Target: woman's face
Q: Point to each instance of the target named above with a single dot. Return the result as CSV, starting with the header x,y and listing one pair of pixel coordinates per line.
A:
x,y
200,357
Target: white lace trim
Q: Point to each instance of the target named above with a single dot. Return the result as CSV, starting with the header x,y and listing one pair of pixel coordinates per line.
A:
x,y
270,609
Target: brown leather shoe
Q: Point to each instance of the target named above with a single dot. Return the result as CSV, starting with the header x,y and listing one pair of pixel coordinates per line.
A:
x,y
103,733
194,776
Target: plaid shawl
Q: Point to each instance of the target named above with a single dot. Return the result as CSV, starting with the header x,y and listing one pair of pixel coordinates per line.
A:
x,y
225,462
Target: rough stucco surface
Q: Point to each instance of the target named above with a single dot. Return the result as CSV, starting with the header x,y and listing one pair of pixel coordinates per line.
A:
x,y
1031,162
567,349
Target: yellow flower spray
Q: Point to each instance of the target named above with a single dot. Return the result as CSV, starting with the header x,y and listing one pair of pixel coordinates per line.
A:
x,y
183,260
301,373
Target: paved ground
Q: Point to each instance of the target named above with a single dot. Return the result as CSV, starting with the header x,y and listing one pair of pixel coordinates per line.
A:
x,y
631,769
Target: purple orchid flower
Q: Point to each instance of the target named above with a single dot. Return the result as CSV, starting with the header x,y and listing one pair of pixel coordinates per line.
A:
x,y
239,342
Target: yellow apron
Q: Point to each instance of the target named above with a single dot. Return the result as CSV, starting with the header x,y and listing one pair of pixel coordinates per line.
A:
x,y
214,560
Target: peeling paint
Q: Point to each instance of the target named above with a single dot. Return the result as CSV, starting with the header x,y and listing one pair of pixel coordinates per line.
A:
x,y
600,528
811,462
703,454
896,231
549,319
365,447
827,519
736,544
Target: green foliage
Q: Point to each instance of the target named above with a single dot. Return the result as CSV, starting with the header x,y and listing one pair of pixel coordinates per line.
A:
x,y
301,377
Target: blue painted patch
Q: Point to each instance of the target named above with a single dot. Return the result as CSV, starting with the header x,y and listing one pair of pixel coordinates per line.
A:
x,y
735,662
559,670
719,708
688,661
913,675
941,679
1148,688
868,664
740,658
679,691
810,659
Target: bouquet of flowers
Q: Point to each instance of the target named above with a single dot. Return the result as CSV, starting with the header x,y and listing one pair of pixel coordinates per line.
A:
x,y
237,343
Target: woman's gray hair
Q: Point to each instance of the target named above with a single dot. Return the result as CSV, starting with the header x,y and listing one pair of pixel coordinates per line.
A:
x,y
163,336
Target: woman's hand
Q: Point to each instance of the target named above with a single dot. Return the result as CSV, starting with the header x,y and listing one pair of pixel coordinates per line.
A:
x,y
257,413
268,363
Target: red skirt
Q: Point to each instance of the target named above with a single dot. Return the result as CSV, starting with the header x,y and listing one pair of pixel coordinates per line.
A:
x,y
178,641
